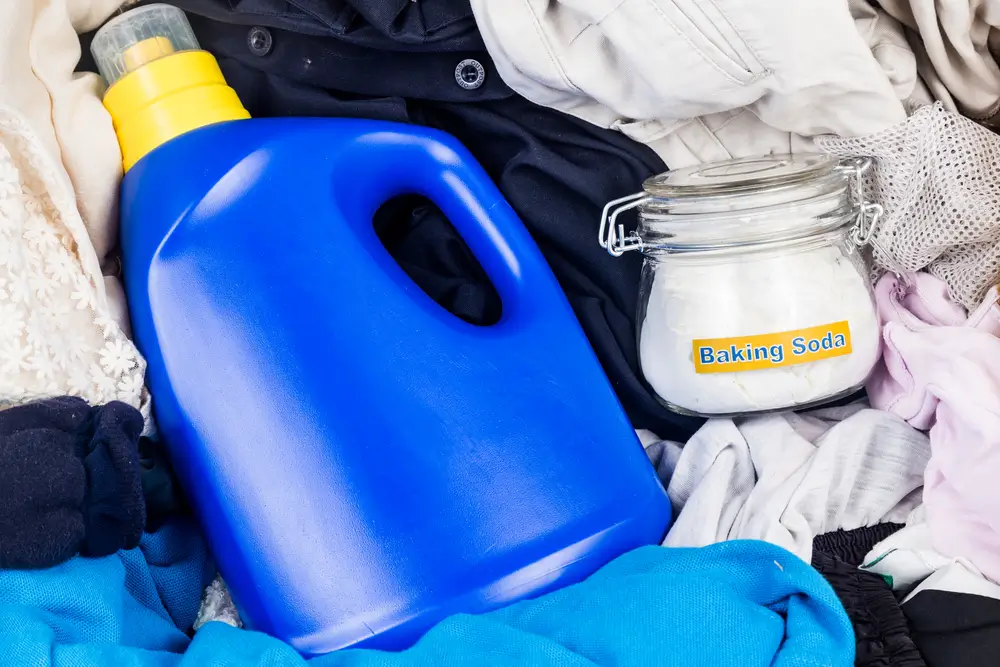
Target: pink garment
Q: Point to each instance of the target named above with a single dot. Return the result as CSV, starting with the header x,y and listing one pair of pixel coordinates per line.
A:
x,y
941,370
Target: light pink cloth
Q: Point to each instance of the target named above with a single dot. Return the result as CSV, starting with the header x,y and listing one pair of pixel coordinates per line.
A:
x,y
941,371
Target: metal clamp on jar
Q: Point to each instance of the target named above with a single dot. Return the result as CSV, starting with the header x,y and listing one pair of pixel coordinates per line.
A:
x,y
754,293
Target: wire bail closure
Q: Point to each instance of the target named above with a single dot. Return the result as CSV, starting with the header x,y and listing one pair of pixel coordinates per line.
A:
x,y
869,213
863,232
613,238
615,241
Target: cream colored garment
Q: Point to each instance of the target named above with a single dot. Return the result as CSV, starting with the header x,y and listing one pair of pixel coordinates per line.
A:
x,y
39,50
956,45
57,335
702,80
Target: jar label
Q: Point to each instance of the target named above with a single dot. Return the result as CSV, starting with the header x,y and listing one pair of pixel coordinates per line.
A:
x,y
787,348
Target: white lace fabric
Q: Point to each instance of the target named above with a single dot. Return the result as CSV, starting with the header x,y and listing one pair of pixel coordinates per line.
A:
x,y
217,605
937,177
58,335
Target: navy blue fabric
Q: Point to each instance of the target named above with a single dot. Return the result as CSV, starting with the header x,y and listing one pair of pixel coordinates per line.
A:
x,y
70,481
381,24
736,604
396,61
160,487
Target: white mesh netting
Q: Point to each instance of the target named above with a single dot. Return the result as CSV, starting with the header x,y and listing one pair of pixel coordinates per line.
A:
x,y
937,176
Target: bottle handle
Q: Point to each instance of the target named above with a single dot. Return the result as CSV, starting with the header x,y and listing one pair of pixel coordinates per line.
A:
x,y
426,162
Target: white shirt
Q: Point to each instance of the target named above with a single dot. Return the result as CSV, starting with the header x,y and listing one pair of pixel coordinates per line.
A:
x,y
787,478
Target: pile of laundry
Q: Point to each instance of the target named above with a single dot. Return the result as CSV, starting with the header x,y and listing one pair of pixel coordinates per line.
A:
x,y
865,531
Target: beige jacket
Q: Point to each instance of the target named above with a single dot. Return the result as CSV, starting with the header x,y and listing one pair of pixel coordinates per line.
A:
x,y
702,80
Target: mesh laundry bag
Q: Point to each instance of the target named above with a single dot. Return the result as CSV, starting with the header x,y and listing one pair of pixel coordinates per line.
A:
x,y
937,177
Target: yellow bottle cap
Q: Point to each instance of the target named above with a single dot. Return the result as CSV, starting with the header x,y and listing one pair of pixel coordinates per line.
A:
x,y
161,84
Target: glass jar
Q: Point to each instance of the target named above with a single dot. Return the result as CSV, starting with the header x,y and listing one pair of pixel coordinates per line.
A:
x,y
754,295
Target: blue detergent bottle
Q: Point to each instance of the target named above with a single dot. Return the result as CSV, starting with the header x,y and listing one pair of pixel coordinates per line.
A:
x,y
362,462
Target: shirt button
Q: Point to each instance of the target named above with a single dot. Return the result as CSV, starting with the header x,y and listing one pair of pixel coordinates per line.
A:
x,y
470,74
260,41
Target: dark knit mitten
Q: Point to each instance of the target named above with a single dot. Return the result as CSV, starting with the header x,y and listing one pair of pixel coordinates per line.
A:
x,y
69,482
114,510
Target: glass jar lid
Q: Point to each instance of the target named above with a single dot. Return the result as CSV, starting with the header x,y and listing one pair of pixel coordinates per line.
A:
x,y
746,184
740,177
739,202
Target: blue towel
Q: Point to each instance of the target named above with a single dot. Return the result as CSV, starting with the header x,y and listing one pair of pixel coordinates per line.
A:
x,y
736,604
142,598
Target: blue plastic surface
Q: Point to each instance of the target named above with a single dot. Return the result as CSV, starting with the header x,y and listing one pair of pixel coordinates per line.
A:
x,y
364,463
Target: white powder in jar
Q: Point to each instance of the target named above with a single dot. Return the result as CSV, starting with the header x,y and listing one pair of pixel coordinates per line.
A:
x,y
772,291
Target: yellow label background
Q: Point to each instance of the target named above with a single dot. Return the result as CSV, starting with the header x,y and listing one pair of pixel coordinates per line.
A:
x,y
767,340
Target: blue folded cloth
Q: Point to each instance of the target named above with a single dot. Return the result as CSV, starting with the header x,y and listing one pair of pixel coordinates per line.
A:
x,y
735,604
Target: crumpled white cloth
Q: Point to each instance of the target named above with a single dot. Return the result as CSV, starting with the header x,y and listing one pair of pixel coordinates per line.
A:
x,y
787,478
39,49
908,559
